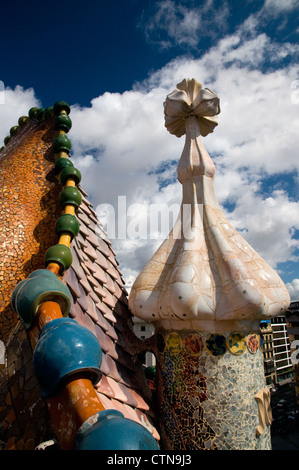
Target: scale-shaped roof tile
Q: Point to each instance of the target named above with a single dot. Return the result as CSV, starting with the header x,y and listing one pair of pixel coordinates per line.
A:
x,y
99,302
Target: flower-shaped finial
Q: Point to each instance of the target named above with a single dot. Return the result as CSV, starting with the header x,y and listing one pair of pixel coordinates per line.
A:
x,y
190,99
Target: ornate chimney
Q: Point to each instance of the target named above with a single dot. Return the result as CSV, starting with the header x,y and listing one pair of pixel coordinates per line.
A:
x,y
207,290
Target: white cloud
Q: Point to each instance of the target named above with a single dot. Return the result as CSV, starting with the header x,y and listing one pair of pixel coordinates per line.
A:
x,y
293,288
268,224
279,6
180,24
122,148
257,135
16,103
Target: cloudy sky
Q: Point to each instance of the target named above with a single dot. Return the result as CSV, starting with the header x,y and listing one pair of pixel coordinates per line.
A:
x,y
115,62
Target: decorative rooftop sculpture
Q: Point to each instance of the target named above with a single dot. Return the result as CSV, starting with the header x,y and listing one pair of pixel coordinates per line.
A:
x,y
73,379
207,289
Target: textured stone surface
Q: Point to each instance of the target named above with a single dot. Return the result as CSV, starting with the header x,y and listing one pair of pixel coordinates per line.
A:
x,y
204,276
206,290
29,210
29,196
207,394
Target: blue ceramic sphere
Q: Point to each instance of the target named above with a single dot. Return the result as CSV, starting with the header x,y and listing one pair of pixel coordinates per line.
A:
x,y
41,285
110,430
65,348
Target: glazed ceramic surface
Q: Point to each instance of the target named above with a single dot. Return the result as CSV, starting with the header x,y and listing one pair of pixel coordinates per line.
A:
x,y
206,290
204,276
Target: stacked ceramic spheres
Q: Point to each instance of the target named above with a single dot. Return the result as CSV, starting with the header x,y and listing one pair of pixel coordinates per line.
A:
x,y
64,348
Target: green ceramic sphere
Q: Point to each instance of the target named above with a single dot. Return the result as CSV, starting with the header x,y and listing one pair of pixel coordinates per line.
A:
x,y
63,122
48,112
67,223
60,106
70,195
62,163
23,120
14,130
32,112
62,144
7,139
70,172
60,254
40,115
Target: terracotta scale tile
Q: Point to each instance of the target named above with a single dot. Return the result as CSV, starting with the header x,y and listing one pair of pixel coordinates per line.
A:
x,y
104,340
129,397
111,332
113,272
113,368
76,311
118,392
82,243
92,281
83,217
101,260
93,218
102,234
129,412
105,400
72,282
91,309
84,282
110,285
100,275
76,264
84,193
112,260
93,239
83,230
79,253
94,296
92,267
104,387
141,404
109,299
107,312
104,324
84,208
105,365
82,299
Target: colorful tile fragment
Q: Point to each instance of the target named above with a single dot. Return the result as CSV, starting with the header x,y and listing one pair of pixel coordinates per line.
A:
x,y
236,343
215,344
252,341
193,343
174,343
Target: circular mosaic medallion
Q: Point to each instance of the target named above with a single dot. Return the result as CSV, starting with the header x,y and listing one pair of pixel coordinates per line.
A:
x,y
253,341
216,344
236,343
174,343
193,344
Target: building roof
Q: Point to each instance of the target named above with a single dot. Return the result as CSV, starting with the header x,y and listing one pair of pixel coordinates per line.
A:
x,y
30,207
99,303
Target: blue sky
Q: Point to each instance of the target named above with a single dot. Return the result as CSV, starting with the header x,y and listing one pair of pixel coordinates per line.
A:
x,y
115,62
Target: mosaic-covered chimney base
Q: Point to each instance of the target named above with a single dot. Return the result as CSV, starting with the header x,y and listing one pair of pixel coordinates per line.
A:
x,y
206,385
